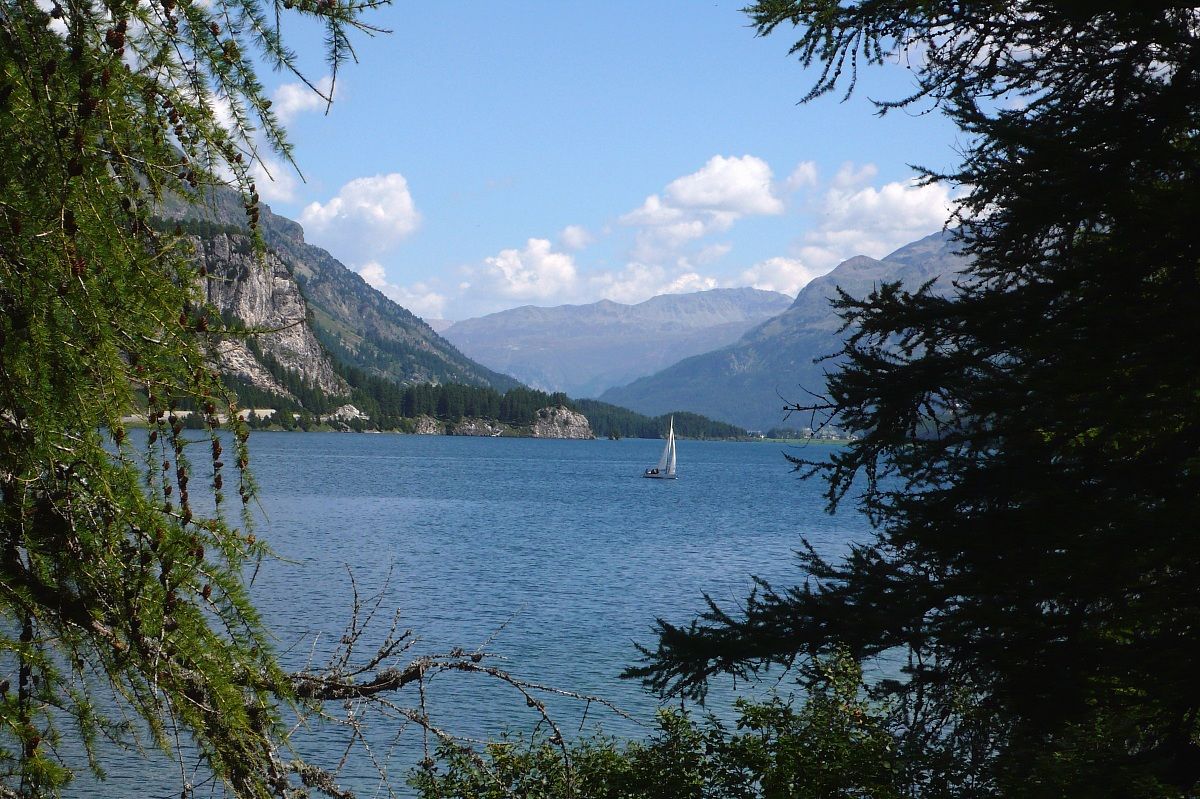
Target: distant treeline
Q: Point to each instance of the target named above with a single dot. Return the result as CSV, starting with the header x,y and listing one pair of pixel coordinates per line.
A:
x,y
613,421
388,403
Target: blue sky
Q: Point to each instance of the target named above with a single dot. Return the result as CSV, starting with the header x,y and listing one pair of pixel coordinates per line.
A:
x,y
481,157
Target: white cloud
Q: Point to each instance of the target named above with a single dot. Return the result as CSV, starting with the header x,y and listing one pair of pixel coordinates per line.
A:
x,y
637,282
874,221
59,25
275,180
374,273
851,175
653,212
707,201
737,185
713,253
785,275
369,216
853,218
804,176
420,298
537,273
292,99
575,237
533,273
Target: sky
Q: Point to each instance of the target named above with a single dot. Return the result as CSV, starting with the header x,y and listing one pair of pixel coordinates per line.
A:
x,y
483,156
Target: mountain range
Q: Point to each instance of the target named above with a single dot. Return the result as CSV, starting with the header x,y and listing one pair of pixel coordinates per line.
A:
x,y
328,323
353,321
749,382
584,349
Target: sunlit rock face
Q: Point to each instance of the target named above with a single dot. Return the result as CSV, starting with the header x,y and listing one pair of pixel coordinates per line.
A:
x,y
262,294
561,423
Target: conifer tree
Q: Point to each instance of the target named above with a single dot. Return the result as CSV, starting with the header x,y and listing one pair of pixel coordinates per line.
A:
x,y
1028,447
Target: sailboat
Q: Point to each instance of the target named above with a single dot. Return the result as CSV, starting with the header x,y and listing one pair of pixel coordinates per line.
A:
x,y
665,470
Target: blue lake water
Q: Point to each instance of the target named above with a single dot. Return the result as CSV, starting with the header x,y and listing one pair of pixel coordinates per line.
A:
x,y
555,553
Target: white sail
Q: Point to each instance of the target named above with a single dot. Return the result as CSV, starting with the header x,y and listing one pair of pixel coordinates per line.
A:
x,y
662,459
666,461
670,453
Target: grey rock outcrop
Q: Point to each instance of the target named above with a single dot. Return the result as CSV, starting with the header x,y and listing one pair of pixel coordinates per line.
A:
x,y
476,427
428,426
346,413
561,423
263,295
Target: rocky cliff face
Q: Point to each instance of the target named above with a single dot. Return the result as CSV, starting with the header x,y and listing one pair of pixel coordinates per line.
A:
x,y
357,324
364,328
561,423
263,295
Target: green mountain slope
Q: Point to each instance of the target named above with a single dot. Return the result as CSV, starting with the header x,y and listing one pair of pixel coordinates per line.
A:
x,y
354,321
749,383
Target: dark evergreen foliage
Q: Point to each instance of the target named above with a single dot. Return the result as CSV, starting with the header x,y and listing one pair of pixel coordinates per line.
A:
x,y
204,228
613,421
1029,450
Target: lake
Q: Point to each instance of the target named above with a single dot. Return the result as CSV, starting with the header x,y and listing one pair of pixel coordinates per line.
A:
x,y
555,556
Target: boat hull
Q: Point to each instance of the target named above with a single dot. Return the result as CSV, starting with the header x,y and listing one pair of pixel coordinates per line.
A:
x,y
659,476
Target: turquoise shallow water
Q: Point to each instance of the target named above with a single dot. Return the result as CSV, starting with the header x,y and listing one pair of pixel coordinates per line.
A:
x,y
556,552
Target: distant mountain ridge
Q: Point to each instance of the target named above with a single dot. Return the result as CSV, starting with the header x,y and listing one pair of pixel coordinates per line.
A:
x,y
584,349
749,382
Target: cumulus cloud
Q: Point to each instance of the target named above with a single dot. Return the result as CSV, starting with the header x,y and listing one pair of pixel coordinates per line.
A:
x,y
368,217
853,218
785,275
374,273
707,201
420,298
637,282
535,272
292,99
873,221
575,237
851,175
804,176
539,274
737,185
713,253
275,180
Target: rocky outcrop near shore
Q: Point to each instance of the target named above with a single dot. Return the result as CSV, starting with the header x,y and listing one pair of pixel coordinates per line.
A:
x,y
428,426
477,427
561,422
